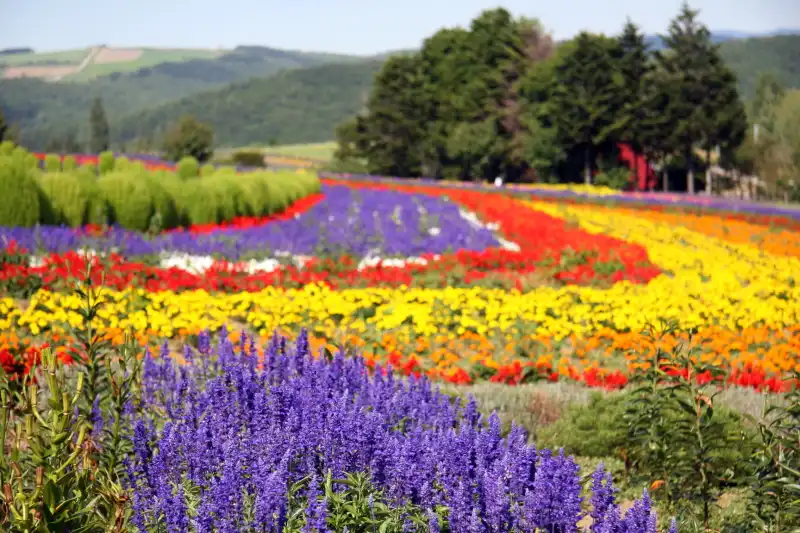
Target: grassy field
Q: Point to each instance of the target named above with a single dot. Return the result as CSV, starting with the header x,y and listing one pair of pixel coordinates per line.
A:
x,y
316,151
67,56
103,61
150,57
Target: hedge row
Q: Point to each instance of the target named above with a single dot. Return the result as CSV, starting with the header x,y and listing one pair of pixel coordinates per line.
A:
x,y
128,195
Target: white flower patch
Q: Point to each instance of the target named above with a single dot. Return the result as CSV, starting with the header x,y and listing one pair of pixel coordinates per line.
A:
x,y
199,264
473,220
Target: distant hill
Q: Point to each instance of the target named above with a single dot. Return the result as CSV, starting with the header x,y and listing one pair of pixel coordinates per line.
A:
x,y
236,86
750,57
43,109
90,63
723,36
293,106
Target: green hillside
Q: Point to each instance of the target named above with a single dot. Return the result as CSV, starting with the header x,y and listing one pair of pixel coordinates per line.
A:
x,y
43,110
235,93
294,106
750,57
44,58
150,57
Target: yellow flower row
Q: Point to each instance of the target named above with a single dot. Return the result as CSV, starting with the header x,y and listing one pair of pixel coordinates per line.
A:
x,y
723,288
589,190
708,282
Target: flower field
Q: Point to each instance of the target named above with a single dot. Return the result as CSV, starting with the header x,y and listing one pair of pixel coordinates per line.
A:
x,y
458,283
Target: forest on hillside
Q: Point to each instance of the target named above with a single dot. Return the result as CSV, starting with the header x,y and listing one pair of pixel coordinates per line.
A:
x,y
51,112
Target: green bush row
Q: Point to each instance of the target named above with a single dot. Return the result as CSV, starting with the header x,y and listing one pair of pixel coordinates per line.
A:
x,y
128,195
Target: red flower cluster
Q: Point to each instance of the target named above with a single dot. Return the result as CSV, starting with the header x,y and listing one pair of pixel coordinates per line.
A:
x,y
544,241
548,246
749,377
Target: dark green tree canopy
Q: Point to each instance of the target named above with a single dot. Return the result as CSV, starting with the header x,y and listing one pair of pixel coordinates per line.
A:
x,y
500,98
189,137
100,134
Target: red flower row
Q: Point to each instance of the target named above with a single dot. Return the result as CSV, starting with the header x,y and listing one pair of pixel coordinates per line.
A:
x,y
544,241
546,245
520,372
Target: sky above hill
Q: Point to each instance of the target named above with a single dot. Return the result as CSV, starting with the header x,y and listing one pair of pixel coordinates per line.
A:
x,y
346,26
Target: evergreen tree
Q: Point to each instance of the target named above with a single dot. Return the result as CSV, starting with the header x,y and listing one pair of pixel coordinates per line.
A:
x,y
690,63
393,128
587,97
99,140
655,125
725,119
635,67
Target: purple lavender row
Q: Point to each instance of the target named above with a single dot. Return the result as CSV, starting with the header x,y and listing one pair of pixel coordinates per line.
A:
x,y
638,198
356,222
235,442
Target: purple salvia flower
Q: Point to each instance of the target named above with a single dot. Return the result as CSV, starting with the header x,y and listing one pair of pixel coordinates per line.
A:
x,y
673,526
475,523
188,354
603,494
316,512
555,501
96,419
204,343
609,522
638,519
233,430
433,522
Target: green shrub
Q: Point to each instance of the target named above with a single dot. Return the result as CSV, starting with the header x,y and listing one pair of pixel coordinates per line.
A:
x,y
207,169
592,430
598,429
6,147
200,202
21,203
69,163
188,167
30,161
615,178
122,163
166,209
177,190
130,198
98,211
233,199
105,162
71,195
248,158
228,198
256,193
91,168
52,163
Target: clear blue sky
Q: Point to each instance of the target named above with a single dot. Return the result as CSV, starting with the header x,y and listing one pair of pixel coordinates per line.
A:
x,y
345,26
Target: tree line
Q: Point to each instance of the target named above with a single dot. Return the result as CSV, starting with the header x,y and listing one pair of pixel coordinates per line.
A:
x,y
502,98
